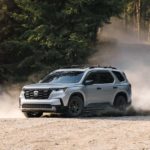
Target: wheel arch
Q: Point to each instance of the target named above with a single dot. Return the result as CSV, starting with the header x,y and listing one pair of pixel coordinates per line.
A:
x,y
121,93
77,94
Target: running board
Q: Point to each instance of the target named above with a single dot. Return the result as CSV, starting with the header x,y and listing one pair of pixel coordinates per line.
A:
x,y
95,107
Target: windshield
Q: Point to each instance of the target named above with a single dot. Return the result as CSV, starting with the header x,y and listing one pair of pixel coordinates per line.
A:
x,y
64,77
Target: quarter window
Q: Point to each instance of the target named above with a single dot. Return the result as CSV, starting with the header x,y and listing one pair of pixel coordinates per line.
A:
x,y
119,76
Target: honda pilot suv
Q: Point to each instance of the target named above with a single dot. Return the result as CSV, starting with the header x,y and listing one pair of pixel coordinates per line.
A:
x,y
73,90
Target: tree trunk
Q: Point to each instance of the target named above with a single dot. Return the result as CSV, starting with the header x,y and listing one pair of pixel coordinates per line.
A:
x,y
138,15
125,19
149,32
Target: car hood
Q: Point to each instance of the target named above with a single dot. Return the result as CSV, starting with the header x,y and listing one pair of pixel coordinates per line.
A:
x,y
48,86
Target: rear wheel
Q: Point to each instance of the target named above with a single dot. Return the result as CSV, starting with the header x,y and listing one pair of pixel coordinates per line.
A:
x,y
75,106
33,114
120,102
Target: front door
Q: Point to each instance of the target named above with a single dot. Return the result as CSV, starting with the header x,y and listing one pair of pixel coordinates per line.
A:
x,y
92,91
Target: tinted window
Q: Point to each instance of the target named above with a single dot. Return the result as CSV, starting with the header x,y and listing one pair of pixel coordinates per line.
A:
x,y
100,77
64,77
119,76
105,77
93,76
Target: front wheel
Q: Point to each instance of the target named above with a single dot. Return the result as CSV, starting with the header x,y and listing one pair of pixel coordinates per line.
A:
x,y
75,106
33,114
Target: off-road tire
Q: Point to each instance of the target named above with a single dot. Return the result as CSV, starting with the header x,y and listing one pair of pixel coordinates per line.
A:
x,y
75,106
120,102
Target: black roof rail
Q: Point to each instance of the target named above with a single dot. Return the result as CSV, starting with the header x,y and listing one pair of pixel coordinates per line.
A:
x,y
100,66
110,67
74,66
87,66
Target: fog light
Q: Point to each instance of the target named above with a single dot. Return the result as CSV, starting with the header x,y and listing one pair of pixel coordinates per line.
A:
x,y
53,108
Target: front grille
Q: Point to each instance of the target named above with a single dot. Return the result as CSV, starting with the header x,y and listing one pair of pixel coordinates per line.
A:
x,y
36,106
37,93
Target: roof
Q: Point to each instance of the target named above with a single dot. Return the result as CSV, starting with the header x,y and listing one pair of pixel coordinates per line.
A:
x,y
86,67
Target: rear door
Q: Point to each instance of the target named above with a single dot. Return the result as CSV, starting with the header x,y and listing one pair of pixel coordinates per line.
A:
x,y
106,87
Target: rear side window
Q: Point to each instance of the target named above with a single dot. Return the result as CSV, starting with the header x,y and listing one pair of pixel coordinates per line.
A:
x,y
119,76
105,77
100,77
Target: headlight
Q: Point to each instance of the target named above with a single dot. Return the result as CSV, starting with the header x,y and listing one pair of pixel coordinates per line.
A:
x,y
22,93
60,89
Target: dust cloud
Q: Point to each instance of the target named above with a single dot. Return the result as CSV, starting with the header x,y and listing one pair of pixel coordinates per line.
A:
x,y
121,48
9,103
116,47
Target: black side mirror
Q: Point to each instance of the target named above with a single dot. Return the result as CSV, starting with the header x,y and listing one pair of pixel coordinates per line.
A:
x,y
88,82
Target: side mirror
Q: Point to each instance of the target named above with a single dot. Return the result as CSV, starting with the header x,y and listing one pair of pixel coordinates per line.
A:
x,y
88,82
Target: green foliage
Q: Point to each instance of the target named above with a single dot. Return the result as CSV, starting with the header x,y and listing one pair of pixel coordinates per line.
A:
x,y
48,33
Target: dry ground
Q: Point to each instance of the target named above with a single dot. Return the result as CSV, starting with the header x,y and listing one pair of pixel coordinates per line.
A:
x,y
100,133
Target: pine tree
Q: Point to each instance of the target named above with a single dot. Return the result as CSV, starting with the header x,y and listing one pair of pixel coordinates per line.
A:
x,y
48,33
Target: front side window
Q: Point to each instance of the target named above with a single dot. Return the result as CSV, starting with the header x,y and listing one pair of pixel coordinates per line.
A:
x,y
93,76
64,77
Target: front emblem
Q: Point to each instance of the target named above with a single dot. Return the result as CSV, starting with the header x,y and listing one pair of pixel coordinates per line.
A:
x,y
35,93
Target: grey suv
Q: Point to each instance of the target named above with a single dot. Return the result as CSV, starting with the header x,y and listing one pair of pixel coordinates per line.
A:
x,y
73,90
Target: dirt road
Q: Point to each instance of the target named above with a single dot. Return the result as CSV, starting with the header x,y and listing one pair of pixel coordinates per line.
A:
x,y
110,133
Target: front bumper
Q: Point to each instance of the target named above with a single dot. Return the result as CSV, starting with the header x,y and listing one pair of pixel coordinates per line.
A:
x,y
40,105
55,100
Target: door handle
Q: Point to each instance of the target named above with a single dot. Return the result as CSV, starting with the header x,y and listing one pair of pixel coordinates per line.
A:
x,y
99,88
115,87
